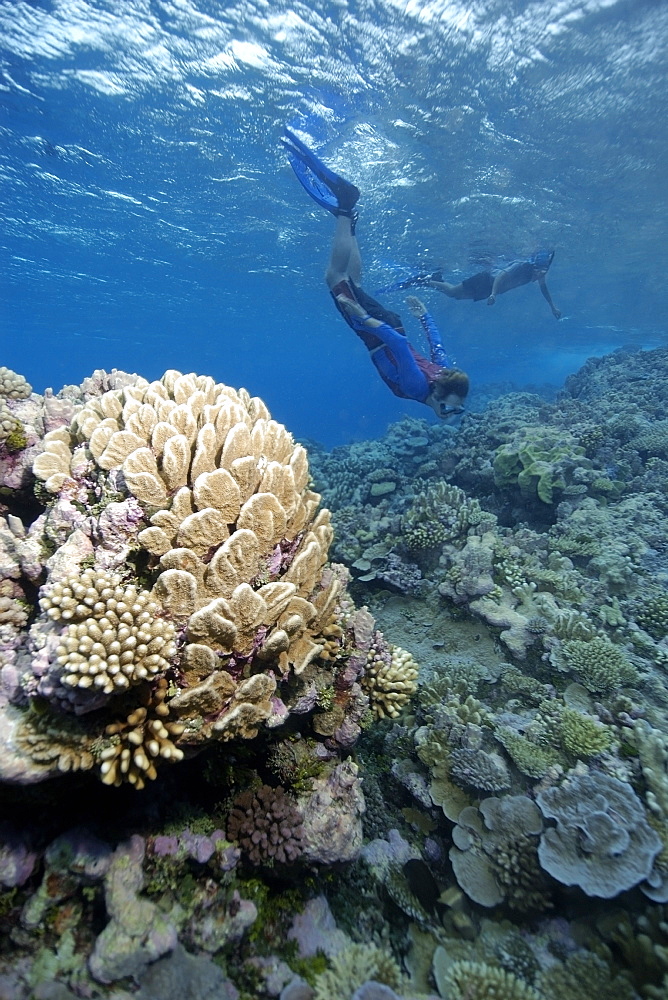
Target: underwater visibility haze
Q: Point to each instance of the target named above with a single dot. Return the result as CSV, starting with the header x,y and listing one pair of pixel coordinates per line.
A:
x,y
304,693
150,219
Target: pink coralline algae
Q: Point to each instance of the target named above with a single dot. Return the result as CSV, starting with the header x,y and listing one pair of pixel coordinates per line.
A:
x,y
197,846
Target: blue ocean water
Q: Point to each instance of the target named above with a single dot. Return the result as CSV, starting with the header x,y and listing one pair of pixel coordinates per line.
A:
x,y
151,221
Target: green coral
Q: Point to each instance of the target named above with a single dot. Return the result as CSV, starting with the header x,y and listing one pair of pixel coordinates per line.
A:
x,y
581,735
536,460
353,966
16,440
599,664
530,758
654,617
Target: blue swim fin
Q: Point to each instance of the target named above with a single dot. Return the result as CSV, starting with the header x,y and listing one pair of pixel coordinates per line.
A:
x,y
328,189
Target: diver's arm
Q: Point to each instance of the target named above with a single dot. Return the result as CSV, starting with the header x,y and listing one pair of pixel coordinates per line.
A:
x,y
436,349
498,286
548,298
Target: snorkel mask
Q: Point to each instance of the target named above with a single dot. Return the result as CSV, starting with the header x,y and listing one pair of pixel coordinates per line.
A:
x,y
543,259
449,414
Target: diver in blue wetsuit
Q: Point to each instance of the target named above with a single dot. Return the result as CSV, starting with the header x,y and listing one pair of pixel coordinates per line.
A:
x,y
406,372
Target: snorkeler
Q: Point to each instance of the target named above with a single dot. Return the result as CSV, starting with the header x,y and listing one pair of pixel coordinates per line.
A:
x,y
489,284
406,372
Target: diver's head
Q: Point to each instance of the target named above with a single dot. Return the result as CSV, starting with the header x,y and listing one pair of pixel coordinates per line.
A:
x,y
448,392
543,259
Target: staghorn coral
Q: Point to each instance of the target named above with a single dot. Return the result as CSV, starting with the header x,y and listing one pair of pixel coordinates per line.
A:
x,y
390,679
132,746
267,825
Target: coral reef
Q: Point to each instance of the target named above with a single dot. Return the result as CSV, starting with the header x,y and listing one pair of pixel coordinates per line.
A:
x,y
166,595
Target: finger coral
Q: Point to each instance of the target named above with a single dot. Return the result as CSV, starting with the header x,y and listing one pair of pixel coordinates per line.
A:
x,y
115,637
390,680
131,747
267,825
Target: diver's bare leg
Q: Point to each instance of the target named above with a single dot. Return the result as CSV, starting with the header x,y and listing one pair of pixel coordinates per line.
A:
x,y
345,261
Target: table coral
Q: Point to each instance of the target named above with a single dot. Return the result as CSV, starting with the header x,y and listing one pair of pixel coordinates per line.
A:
x,y
494,853
602,841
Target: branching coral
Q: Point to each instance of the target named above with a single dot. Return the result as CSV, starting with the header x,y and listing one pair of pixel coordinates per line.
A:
x,y
463,980
598,663
267,825
390,679
131,747
115,638
352,967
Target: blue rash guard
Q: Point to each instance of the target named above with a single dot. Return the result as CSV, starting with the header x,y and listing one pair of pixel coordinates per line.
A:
x,y
397,362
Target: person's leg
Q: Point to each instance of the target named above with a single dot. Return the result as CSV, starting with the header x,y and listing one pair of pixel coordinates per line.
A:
x,y
453,291
345,261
